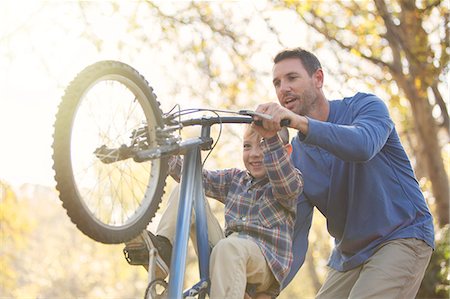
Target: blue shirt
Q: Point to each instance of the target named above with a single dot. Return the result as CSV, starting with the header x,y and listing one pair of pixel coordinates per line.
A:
x,y
359,177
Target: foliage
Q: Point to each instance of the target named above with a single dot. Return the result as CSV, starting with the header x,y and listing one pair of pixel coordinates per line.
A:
x,y
408,43
15,226
436,283
55,260
203,53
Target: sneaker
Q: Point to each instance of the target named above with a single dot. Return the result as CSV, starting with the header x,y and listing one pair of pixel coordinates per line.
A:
x,y
137,251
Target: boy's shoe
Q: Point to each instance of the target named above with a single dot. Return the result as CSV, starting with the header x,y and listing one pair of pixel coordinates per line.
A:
x,y
137,251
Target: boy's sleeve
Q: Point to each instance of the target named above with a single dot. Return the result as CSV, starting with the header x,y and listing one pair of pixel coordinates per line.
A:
x,y
286,180
175,166
216,183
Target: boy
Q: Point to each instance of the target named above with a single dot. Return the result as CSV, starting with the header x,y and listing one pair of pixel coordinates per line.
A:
x,y
260,207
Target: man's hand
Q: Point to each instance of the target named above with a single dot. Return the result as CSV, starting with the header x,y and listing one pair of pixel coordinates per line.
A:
x,y
278,114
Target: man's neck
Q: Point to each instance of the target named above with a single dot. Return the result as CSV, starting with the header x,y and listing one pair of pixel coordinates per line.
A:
x,y
321,109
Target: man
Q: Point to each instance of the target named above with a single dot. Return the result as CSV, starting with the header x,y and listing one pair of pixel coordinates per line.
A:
x,y
357,174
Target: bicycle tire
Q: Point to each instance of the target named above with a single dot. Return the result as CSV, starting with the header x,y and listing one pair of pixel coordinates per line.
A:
x,y
110,203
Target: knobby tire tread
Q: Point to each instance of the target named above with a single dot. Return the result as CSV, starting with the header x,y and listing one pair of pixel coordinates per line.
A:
x,y
68,194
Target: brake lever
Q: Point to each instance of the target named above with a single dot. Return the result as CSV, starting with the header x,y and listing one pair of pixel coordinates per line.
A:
x,y
254,113
283,122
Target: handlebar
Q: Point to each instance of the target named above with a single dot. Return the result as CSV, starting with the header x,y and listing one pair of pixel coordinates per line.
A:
x,y
169,144
209,121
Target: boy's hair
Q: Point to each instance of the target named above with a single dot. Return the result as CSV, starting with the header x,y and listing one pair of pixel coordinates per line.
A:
x,y
308,59
283,133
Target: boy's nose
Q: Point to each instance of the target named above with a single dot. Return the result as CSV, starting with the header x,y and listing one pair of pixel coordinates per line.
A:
x,y
256,152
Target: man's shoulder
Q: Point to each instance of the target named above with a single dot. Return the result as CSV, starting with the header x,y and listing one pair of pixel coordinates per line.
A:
x,y
361,98
365,102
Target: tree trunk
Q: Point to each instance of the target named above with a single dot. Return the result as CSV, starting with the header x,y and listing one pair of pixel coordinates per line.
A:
x,y
430,150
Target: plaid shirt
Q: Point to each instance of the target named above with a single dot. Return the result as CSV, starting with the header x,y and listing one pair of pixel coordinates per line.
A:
x,y
262,209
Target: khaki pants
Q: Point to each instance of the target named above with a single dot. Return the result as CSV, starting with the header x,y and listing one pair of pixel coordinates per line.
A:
x,y
395,270
235,260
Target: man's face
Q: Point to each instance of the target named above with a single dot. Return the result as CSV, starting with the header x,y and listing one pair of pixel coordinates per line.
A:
x,y
295,89
253,154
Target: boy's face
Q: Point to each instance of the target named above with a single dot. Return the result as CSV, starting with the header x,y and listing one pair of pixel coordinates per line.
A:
x,y
253,154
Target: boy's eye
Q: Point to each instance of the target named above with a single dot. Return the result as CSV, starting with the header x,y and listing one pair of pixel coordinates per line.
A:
x,y
247,146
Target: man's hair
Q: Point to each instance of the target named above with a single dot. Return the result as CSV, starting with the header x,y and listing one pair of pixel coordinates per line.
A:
x,y
308,59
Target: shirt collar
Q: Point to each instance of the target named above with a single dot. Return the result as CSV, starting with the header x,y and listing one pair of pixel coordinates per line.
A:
x,y
251,182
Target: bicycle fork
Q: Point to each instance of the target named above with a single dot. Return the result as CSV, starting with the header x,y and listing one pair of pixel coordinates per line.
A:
x,y
191,193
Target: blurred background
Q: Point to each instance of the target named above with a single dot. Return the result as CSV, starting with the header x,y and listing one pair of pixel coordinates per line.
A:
x,y
211,54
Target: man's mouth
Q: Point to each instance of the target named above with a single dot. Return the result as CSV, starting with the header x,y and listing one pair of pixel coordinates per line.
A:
x,y
289,99
289,102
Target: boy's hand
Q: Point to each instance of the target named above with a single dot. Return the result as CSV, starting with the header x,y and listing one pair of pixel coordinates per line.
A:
x,y
263,132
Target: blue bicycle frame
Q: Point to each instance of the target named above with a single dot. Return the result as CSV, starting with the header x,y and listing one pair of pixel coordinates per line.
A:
x,y
192,194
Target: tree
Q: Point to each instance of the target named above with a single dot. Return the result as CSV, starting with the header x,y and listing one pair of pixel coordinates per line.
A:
x,y
15,227
217,54
409,42
436,283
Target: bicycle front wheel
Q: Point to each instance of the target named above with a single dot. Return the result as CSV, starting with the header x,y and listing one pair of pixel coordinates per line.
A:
x,y
109,197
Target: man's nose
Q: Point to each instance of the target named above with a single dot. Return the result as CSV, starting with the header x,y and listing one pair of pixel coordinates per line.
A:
x,y
285,86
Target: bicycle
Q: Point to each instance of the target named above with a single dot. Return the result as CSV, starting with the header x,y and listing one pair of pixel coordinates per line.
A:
x,y
111,183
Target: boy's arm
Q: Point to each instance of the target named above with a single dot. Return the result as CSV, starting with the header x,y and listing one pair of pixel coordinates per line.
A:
x,y
175,166
215,182
286,180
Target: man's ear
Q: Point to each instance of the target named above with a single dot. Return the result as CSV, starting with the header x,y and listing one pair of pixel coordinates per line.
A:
x,y
288,148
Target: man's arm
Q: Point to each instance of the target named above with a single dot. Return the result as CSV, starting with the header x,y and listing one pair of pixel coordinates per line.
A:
x,y
359,140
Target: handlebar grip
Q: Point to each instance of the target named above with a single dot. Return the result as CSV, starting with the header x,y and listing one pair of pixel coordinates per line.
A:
x,y
284,122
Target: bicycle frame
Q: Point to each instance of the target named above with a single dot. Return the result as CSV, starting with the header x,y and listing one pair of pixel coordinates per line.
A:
x,y
191,192
192,198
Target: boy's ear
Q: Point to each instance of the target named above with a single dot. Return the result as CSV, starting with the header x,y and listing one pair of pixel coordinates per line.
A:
x,y
288,148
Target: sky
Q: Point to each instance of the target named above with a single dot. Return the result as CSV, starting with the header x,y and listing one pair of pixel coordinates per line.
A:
x,y
28,97
43,46
40,52
36,61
